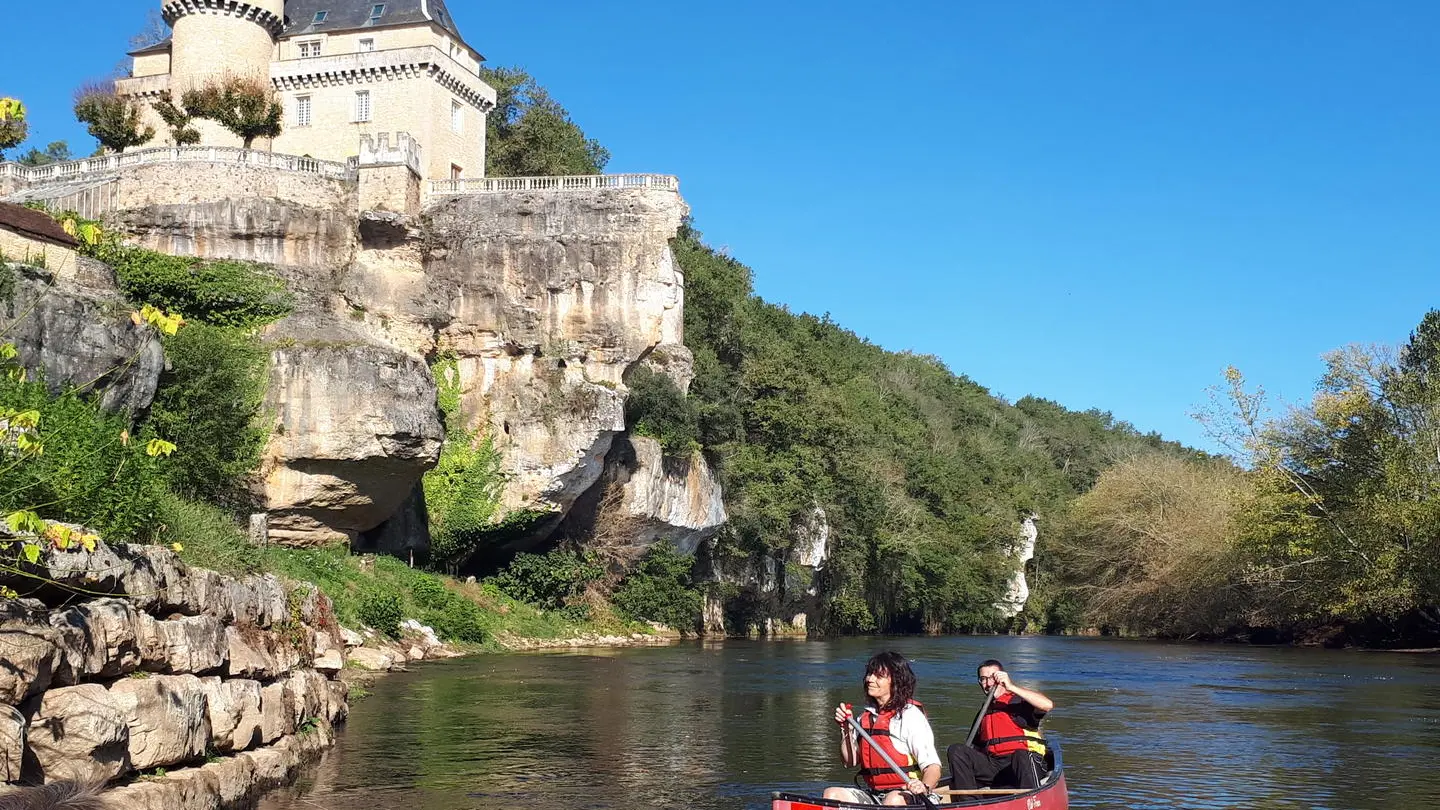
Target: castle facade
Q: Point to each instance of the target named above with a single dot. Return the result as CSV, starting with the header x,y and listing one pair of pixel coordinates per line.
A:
x,y
343,69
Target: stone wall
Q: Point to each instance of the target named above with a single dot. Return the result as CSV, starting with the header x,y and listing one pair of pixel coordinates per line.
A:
x,y
223,683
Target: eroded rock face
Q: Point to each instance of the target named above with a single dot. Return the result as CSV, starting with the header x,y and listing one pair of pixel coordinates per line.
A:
x,y
644,497
102,638
166,716
356,427
79,336
28,647
233,707
548,299
1017,593
12,743
77,732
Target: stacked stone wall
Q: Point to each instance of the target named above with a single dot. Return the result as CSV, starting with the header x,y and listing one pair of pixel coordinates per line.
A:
x,y
178,686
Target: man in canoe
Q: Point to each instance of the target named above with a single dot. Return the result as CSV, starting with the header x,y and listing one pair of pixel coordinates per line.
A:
x,y
896,724
1009,749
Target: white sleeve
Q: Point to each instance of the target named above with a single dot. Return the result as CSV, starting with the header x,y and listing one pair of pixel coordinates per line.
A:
x,y
919,738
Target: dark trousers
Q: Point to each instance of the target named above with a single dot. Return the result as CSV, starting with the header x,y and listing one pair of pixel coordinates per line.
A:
x,y
971,768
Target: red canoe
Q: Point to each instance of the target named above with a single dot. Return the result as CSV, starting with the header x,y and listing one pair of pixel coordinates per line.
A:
x,y
1051,795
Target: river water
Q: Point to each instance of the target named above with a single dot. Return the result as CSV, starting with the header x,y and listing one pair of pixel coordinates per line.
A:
x,y
721,725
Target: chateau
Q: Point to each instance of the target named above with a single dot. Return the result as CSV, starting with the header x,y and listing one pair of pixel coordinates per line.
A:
x,y
343,69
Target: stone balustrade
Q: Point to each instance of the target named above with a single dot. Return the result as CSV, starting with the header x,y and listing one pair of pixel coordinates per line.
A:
x,y
79,169
582,182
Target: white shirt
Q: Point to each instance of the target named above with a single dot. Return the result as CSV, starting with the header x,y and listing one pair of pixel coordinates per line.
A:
x,y
911,735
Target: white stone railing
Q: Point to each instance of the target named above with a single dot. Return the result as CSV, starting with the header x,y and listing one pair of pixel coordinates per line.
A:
x,y
75,169
491,185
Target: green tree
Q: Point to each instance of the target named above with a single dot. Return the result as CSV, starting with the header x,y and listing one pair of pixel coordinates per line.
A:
x,y
247,106
110,118
178,119
530,134
209,402
56,152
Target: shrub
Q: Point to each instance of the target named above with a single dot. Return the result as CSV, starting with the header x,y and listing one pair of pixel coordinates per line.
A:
x,y
459,619
462,492
547,580
223,293
383,610
658,408
208,403
431,593
659,589
91,471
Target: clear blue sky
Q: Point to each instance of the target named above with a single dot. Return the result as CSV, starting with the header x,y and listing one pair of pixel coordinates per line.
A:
x,y
1102,203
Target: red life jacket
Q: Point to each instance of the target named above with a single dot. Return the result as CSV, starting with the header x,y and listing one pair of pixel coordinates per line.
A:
x,y
879,775
1001,735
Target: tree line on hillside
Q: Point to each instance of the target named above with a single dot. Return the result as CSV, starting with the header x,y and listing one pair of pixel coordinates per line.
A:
x,y
924,475
1329,532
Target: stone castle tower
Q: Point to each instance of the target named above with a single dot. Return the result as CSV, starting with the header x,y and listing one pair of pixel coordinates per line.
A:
x,y
343,71
216,38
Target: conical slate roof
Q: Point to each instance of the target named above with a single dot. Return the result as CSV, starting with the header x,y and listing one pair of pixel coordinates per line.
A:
x,y
351,15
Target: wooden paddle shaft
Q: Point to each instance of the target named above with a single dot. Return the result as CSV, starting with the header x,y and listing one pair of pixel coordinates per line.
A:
x,y
900,772
979,718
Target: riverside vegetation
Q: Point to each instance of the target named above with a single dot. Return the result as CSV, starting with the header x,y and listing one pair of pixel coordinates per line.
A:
x,y
1324,520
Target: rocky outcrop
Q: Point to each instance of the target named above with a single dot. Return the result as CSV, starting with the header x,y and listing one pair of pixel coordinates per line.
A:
x,y
174,664
1017,593
771,593
356,426
82,335
548,299
644,497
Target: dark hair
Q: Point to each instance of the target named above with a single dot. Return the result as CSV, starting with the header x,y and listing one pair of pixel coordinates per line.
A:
x,y
902,679
54,796
989,662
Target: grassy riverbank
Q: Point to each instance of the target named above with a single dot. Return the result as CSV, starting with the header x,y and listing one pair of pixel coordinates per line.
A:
x,y
380,591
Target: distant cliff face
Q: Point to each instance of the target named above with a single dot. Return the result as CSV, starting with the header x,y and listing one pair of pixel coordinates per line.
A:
x,y
546,298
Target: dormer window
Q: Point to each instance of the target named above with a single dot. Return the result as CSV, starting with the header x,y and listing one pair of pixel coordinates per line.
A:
x,y
375,12
320,17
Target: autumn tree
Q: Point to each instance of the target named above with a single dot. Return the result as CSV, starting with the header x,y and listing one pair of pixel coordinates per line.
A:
x,y
112,119
245,105
1151,548
13,127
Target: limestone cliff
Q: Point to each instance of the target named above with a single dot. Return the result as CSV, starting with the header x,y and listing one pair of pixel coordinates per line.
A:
x,y
546,298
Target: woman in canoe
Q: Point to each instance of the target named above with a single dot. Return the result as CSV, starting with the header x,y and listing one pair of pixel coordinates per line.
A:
x,y
897,724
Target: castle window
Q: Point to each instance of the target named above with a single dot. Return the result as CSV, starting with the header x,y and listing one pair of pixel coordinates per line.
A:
x,y
367,45
320,17
309,49
456,172
302,111
376,10
457,117
362,105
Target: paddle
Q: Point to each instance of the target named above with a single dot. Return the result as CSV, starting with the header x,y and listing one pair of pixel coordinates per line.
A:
x,y
984,707
900,772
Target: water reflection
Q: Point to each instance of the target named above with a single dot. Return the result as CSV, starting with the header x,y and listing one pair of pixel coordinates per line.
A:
x,y
722,725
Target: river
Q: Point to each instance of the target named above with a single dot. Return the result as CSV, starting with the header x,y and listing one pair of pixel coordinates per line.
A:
x,y
721,725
